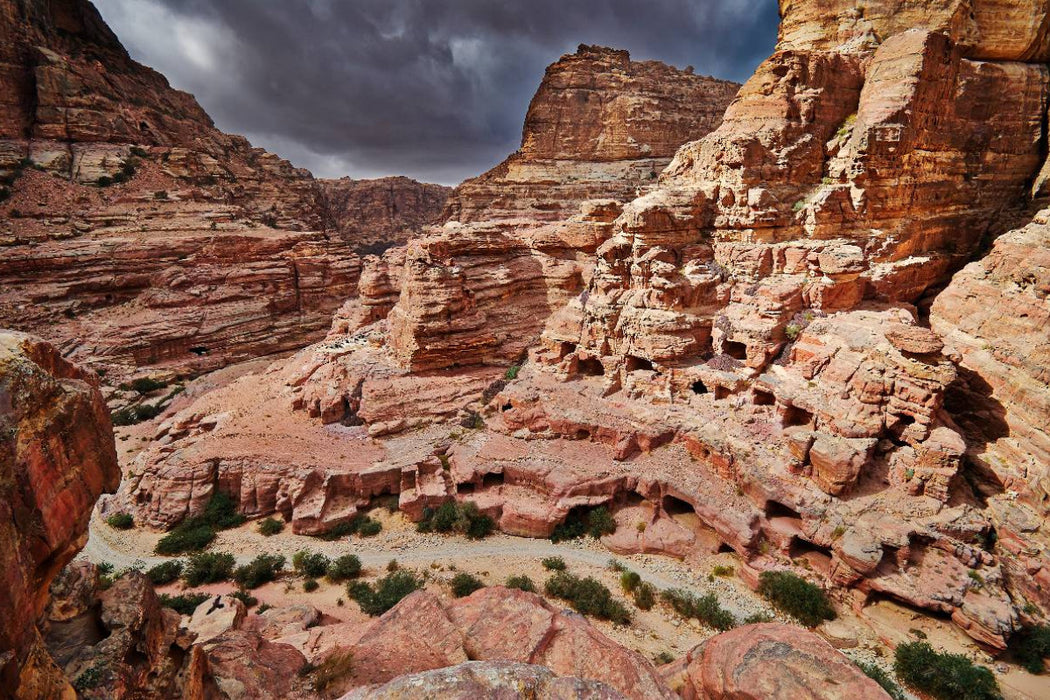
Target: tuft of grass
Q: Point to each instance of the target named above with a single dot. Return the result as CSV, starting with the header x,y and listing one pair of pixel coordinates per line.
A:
x,y
463,584
704,608
336,668
943,676
793,595
553,564
385,593
522,583
121,521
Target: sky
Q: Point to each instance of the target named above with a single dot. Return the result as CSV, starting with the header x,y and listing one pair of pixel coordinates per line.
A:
x,y
433,89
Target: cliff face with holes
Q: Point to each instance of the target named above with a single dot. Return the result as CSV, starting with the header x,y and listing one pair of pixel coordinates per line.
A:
x,y
140,238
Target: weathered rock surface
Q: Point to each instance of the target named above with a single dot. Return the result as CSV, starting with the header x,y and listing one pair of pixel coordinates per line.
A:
x,y
136,235
56,458
774,661
478,680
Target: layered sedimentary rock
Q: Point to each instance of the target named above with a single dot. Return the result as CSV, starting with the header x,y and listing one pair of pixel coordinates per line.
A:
x,y
135,234
56,458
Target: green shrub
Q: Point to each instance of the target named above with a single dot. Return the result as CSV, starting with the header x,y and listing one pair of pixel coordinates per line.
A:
x,y
758,618
263,569
194,534
344,568
164,573
943,676
310,585
386,593
595,522
664,657
133,415
1030,646
93,677
522,583
310,564
463,518
617,565
512,372
463,584
270,527
369,527
795,596
146,385
722,571
587,596
705,608
358,525
645,596
183,604
553,564
245,597
877,674
629,581
332,671
208,567
121,521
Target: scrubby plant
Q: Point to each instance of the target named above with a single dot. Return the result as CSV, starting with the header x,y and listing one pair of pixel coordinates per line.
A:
x,y
310,564
463,584
943,676
879,675
553,564
587,596
462,518
245,597
522,583
93,677
795,596
121,521
270,527
1030,646
595,522
358,525
332,671
133,415
512,372
664,657
147,385
310,585
629,581
385,593
208,567
263,569
195,534
644,596
757,618
160,194
369,527
183,604
722,571
165,573
344,568
705,608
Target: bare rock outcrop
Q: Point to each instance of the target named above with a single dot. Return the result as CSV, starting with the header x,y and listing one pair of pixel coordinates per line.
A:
x,y
56,458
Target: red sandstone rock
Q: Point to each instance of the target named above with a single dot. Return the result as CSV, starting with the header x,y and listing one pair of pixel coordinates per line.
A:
x,y
56,457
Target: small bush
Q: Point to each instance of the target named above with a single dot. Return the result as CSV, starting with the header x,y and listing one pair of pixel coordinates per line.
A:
x,y
183,604
146,385
310,564
263,569
758,618
310,585
121,521
877,674
208,567
386,593
512,372
93,677
629,581
795,596
270,527
664,657
164,573
359,525
522,583
245,597
332,671
943,676
554,564
645,596
463,584
587,596
596,523
344,568
705,608
722,571
1030,646
195,534
160,194
463,518
133,415
369,528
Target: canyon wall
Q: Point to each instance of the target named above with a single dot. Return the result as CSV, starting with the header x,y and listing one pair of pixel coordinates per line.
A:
x,y
134,234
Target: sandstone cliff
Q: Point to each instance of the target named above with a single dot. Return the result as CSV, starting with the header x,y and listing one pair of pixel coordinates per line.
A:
x,y
56,458
137,236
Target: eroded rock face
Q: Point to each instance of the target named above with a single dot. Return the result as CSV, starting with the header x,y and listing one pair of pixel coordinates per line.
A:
x,y
56,458
137,235
775,661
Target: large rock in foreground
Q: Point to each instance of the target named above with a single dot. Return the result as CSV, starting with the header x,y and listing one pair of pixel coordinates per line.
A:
x,y
56,457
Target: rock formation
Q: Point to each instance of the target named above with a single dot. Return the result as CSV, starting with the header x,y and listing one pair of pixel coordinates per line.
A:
x,y
56,458
137,235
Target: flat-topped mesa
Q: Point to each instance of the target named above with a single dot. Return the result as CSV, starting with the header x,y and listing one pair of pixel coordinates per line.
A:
x,y
138,236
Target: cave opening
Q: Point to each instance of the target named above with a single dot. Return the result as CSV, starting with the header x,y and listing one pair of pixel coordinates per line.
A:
x,y
637,364
673,506
795,417
565,349
492,480
775,509
763,398
699,387
738,351
591,367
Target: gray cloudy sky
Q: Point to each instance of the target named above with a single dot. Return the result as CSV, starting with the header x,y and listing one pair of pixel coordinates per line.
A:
x,y
433,89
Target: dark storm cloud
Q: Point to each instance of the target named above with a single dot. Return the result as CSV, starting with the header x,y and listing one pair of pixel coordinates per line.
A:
x,y
435,89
